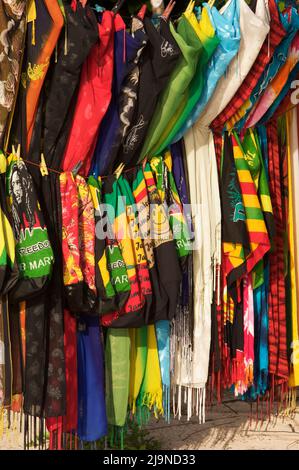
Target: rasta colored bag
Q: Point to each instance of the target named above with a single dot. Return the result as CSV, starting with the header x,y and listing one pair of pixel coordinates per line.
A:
x,y
34,253
117,216
167,262
8,267
134,318
111,272
78,241
162,168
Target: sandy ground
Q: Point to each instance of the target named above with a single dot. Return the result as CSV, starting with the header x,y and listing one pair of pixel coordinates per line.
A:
x,y
228,426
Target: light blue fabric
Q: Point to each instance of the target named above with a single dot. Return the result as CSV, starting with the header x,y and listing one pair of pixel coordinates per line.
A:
x,y
163,342
227,28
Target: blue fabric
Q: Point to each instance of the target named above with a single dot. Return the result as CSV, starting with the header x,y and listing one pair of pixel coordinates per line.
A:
x,y
290,22
261,353
92,420
227,28
163,334
111,122
261,317
163,342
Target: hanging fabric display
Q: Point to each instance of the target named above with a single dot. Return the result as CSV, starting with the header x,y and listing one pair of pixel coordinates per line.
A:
x,y
149,171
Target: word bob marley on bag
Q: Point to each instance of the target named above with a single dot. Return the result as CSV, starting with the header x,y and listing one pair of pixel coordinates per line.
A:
x,y
34,253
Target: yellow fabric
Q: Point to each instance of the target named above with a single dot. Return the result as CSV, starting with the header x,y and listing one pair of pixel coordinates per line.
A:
x,y
151,394
138,355
31,13
294,281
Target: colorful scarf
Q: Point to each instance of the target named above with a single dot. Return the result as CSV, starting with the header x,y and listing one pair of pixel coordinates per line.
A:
x,y
117,375
173,95
275,36
93,98
227,25
206,34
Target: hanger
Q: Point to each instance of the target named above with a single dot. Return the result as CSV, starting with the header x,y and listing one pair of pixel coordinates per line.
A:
x,y
76,168
118,6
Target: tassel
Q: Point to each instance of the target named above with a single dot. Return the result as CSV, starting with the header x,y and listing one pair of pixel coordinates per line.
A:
x,y
65,40
1,422
34,432
33,33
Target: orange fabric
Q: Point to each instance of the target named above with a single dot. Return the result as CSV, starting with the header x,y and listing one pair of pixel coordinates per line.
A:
x,y
34,86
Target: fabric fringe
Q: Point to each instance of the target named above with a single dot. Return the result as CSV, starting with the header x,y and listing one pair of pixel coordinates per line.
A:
x,y
289,407
153,401
194,399
116,436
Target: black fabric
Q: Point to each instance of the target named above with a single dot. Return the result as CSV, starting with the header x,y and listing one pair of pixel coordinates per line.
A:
x,y
127,102
155,69
45,391
7,354
234,228
16,349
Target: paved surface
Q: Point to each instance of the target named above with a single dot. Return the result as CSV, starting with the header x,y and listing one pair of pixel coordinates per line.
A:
x,y
228,426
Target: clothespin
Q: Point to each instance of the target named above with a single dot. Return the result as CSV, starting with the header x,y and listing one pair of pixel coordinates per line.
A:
x,y
17,153
43,166
191,6
167,12
119,170
31,18
98,8
211,3
142,11
118,6
137,21
77,168
144,162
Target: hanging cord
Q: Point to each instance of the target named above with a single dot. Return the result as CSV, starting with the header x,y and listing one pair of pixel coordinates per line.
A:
x,y
38,165
139,164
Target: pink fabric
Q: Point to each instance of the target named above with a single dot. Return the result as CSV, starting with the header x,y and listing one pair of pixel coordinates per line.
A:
x,y
248,306
276,85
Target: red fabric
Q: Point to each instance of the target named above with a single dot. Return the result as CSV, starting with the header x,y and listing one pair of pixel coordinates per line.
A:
x,y
93,99
72,273
276,34
70,349
277,336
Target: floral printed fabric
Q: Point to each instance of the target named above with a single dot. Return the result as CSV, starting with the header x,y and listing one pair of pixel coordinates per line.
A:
x,y
12,27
